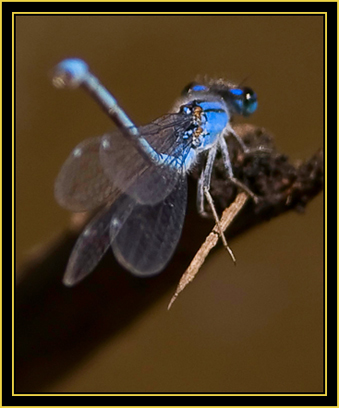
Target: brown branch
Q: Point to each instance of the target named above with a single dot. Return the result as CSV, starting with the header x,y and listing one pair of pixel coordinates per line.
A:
x,y
56,327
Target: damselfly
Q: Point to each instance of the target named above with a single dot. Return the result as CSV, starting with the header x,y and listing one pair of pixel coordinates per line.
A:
x,y
137,175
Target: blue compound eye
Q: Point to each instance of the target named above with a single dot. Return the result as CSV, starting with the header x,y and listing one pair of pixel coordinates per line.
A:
x,y
194,87
250,101
244,100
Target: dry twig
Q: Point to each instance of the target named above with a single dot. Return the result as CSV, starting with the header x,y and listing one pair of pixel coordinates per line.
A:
x,y
210,242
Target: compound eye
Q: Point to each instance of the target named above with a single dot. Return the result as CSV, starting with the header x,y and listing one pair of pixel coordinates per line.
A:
x,y
250,101
194,87
244,100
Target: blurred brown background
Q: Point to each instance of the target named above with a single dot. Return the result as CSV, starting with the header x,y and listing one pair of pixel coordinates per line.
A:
x,y
254,328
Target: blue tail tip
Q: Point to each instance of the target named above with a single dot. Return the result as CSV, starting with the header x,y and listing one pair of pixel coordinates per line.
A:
x,y
70,73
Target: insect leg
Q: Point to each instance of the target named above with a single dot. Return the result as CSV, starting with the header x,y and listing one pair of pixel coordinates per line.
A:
x,y
245,148
203,190
205,180
228,167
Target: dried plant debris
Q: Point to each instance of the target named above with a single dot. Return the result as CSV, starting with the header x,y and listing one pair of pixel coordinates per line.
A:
x,y
279,184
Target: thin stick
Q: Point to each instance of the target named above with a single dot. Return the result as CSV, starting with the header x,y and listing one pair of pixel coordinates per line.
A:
x,y
227,217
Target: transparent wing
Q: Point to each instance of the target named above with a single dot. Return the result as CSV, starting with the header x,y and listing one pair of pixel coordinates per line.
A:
x,y
149,236
143,237
92,175
95,240
147,183
82,183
